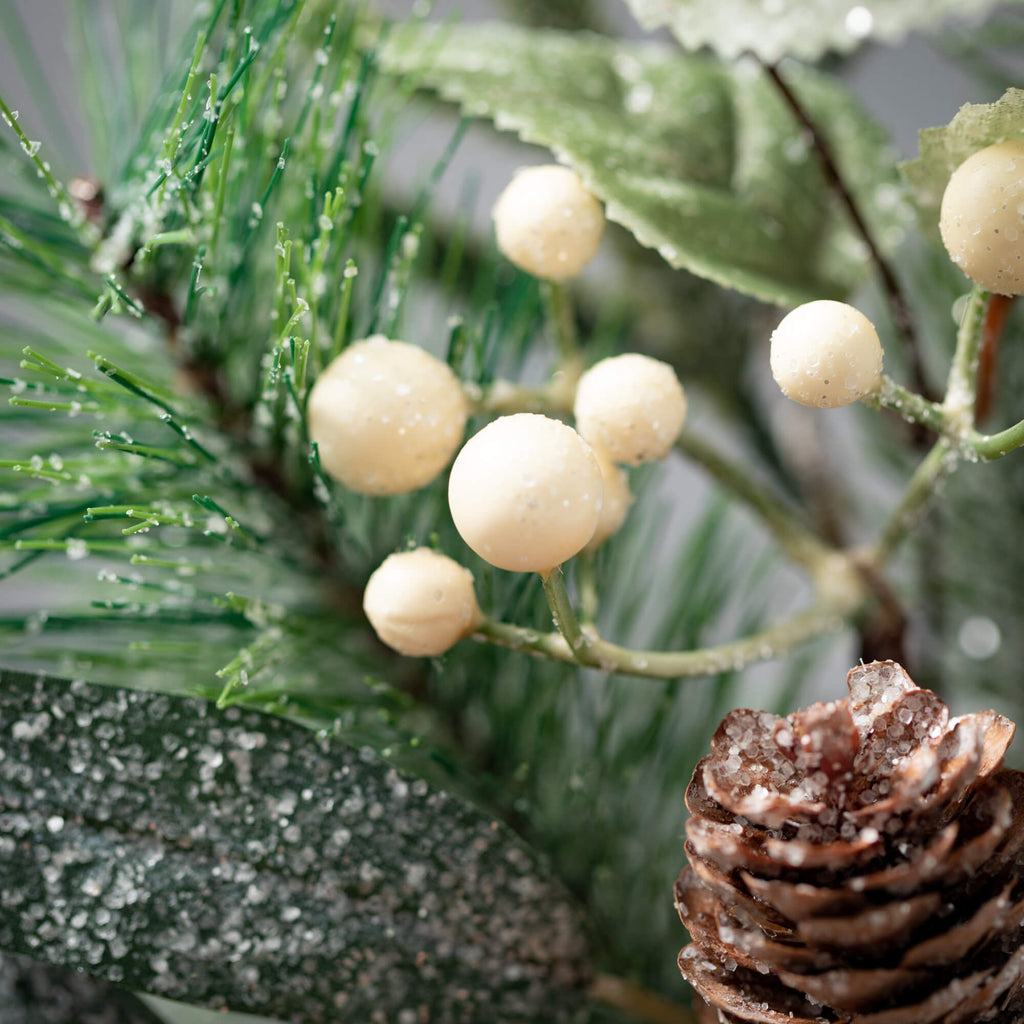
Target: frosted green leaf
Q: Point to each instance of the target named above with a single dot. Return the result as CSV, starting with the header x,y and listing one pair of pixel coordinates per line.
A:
x,y
236,860
772,29
944,149
700,160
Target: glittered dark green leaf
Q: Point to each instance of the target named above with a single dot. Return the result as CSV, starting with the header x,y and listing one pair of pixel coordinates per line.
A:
x,y
700,160
942,150
230,859
799,28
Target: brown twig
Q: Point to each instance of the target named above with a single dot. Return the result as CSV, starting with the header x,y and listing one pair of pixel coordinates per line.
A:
x,y
988,353
902,319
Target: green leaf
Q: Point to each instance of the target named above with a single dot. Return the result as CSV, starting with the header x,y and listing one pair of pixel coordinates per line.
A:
x,y
230,859
975,126
800,28
701,161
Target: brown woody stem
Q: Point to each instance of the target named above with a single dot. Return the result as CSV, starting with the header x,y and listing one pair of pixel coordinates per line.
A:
x,y
988,355
902,319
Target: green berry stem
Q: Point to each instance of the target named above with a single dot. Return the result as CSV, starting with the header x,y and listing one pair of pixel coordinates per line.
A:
x,y
771,642
796,540
936,465
566,621
909,404
961,386
915,409
993,446
527,641
954,419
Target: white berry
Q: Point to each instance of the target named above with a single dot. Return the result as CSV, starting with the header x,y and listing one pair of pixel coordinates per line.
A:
x,y
616,501
826,354
631,406
982,218
386,416
547,223
525,493
421,602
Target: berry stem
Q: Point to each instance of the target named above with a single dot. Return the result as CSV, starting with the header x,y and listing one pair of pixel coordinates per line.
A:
x,y
566,622
910,405
528,641
771,642
898,306
954,419
936,465
962,384
993,446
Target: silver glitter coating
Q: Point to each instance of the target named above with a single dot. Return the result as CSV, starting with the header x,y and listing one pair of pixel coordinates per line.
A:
x,y
230,859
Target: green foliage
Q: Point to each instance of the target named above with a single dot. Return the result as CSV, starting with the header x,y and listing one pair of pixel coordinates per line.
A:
x,y
943,149
141,478
702,161
807,29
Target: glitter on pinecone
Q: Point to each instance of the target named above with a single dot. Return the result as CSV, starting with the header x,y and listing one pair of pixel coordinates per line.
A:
x,y
860,861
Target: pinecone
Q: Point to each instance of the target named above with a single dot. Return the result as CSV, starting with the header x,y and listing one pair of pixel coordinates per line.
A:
x,y
859,861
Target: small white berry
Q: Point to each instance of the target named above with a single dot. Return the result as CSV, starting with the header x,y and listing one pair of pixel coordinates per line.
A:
x,y
982,217
616,502
525,493
386,416
547,223
421,602
826,354
631,406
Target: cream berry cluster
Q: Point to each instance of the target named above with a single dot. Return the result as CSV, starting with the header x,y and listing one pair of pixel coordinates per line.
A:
x,y
527,492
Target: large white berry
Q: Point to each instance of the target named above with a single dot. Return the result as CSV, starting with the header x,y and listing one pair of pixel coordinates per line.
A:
x,y
616,501
826,354
982,217
421,602
547,223
631,406
525,493
386,416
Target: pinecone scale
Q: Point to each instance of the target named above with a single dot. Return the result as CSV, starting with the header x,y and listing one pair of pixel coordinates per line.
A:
x,y
857,862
